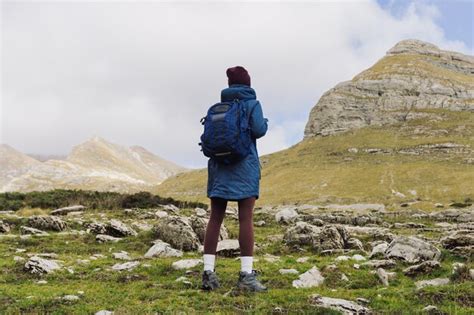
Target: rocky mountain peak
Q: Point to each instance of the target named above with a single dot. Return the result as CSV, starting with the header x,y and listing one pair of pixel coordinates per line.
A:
x,y
412,75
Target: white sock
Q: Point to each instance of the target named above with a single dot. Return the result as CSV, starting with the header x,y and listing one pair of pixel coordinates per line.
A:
x,y
246,263
209,261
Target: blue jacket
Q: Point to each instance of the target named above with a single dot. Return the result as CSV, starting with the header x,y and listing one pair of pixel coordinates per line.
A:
x,y
240,180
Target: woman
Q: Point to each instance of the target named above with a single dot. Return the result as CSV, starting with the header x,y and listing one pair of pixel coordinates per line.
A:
x,y
237,182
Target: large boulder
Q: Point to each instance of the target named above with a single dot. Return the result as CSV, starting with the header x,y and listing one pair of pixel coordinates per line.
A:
x,y
119,229
178,232
412,250
199,225
47,223
311,278
38,265
301,233
162,249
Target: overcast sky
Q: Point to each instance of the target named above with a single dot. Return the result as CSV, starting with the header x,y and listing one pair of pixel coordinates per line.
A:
x,y
144,73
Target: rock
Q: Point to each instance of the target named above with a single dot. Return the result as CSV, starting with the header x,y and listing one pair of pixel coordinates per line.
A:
x,y
459,238
379,250
25,230
4,227
288,271
142,226
380,97
354,243
383,263
162,249
200,212
311,278
37,265
102,238
344,277
301,233
178,232
302,259
382,274
228,248
186,263
161,214
119,229
18,259
358,257
122,255
433,282
286,215
332,237
423,268
70,298
199,226
471,274
271,258
412,250
104,312
126,266
47,223
344,306
342,258
97,227
171,208
66,210
431,310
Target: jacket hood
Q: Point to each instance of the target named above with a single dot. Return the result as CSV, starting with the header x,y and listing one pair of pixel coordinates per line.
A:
x,y
240,91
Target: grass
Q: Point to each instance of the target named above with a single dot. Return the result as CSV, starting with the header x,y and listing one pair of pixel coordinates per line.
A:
x,y
322,170
153,289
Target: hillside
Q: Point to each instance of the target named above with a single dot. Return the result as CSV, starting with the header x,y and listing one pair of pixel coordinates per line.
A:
x,y
404,133
13,163
95,164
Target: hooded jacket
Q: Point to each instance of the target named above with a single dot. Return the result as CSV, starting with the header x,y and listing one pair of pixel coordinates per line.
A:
x,y
240,180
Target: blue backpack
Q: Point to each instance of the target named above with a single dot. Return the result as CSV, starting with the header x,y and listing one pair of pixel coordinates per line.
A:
x,y
227,135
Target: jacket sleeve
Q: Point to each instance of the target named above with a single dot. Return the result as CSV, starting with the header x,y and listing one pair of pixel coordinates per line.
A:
x,y
258,123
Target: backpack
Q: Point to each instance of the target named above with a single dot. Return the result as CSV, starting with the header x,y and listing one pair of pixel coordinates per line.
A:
x,y
227,135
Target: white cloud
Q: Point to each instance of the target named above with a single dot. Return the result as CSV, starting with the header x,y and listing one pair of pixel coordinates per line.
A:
x,y
144,73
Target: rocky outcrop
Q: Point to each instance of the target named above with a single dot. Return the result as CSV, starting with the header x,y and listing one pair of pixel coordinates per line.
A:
x,y
344,306
178,232
412,75
412,250
37,265
47,223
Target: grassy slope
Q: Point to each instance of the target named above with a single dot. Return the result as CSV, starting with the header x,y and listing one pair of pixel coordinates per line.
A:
x,y
147,290
322,170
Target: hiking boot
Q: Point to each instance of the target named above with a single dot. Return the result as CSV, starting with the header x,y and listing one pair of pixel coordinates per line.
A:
x,y
248,282
209,280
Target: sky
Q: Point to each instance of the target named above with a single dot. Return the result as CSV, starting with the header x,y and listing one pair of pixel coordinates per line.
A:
x,y
144,73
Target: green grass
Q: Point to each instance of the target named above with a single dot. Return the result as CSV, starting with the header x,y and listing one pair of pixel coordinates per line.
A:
x,y
152,289
322,170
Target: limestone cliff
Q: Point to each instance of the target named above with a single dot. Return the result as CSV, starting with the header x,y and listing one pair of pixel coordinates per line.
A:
x,y
412,75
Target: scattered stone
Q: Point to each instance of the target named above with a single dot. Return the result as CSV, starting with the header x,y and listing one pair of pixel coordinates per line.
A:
x,y
379,250
271,258
311,278
4,227
102,238
66,210
97,228
37,265
25,230
358,257
18,259
423,268
288,271
162,249
382,263
260,223
161,214
302,259
228,248
126,266
122,255
412,250
354,243
431,310
286,216
344,306
47,223
301,233
178,232
382,274
104,312
344,277
433,282
186,263
170,207
70,298
119,229
142,226
200,212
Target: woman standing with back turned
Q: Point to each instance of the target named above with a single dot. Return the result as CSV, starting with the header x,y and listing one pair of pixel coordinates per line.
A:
x,y
236,182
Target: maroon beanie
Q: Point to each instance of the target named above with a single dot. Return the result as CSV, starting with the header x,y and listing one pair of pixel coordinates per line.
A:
x,y
238,75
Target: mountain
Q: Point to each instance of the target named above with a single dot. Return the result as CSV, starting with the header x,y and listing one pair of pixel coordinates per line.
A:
x,y
95,165
14,163
412,75
401,131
